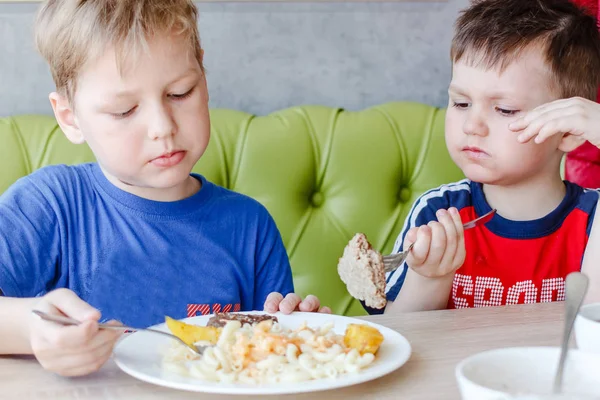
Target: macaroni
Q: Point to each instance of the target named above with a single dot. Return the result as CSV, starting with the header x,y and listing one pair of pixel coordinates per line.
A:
x,y
267,353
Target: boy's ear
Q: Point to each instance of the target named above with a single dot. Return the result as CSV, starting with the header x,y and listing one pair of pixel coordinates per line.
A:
x,y
63,111
570,142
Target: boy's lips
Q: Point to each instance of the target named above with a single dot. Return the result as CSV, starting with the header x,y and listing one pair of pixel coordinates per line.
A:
x,y
168,159
474,152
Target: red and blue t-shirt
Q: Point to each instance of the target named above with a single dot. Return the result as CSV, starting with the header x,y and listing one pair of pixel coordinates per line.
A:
x,y
507,262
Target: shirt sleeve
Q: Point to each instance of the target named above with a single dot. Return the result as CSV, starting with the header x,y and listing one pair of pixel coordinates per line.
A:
x,y
29,241
272,272
422,212
590,202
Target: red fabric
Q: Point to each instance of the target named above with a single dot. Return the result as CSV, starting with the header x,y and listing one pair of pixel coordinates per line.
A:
x,y
533,270
582,166
590,5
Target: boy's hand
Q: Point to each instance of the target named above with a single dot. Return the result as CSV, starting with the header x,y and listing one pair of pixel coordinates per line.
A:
x,y
292,302
439,247
575,116
70,350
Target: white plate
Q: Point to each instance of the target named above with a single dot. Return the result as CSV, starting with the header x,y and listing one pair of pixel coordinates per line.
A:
x,y
139,355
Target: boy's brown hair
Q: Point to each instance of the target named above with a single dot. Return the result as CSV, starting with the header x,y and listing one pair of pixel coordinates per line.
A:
x,y
70,33
494,33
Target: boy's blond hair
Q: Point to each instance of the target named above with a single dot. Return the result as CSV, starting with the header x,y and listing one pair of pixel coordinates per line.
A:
x,y
71,33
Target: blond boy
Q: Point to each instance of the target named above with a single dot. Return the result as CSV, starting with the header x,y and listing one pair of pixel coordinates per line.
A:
x,y
134,236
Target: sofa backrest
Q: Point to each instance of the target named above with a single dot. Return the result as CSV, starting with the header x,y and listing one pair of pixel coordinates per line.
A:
x,y
323,173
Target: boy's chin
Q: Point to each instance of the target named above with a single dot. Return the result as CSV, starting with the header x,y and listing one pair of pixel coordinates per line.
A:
x,y
169,181
495,179
482,176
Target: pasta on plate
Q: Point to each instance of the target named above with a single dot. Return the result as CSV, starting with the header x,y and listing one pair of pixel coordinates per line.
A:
x,y
267,353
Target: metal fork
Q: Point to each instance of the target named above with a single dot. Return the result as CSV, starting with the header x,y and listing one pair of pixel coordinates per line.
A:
x,y
391,262
197,350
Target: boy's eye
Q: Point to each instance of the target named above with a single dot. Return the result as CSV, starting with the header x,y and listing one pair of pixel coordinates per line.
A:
x,y
508,113
124,114
460,105
184,95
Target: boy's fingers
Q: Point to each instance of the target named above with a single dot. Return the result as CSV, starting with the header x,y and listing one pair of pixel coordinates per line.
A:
x,y
114,322
70,353
289,303
68,337
525,137
438,243
456,219
459,254
420,251
532,129
410,238
102,338
550,128
84,364
80,336
527,118
447,222
548,107
518,125
310,303
541,120
325,310
272,302
571,123
102,343
524,121
71,305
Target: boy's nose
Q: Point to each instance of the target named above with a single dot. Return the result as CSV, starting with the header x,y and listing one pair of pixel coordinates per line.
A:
x,y
475,125
162,125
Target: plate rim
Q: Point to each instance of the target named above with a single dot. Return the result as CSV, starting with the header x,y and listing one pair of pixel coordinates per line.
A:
x,y
294,388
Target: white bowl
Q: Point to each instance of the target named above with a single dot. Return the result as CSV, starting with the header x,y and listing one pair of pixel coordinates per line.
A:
x,y
528,373
587,328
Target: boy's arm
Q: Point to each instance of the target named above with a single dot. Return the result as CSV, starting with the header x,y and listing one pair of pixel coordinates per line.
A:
x,y
438,252
272,271
29,241
28,256
421,213
422,294
69,351
591,259
14,330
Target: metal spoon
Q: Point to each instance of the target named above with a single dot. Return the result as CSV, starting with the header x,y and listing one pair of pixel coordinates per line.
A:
x,y
197,350
576,286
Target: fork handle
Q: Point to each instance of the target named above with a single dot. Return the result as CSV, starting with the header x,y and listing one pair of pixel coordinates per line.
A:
x,y
56,318
73,322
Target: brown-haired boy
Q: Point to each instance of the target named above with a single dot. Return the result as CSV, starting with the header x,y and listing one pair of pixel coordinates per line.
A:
x,y
509,58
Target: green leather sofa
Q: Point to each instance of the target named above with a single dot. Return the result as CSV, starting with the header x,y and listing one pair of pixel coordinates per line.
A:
x,y
323,173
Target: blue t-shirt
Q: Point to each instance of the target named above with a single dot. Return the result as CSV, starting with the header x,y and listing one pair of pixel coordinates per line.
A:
x,y
134,259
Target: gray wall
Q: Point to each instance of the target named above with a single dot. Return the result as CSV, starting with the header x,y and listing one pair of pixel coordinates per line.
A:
x,y
263,57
